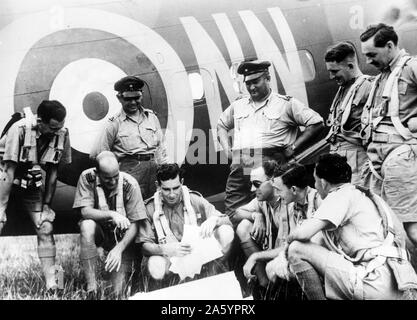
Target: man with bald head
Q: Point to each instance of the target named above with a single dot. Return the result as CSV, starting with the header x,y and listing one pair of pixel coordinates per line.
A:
x,y
110,203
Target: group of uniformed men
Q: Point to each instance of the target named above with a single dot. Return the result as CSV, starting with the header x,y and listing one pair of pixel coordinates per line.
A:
x,y
345,239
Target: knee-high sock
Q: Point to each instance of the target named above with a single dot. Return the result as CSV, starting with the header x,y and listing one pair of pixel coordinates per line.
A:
x,y
88,256
47,257
309,280
249,247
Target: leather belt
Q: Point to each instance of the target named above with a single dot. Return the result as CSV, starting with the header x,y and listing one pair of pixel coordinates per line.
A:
x,y
139,157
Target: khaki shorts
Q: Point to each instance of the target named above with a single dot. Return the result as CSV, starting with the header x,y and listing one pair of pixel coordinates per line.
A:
x,y
356,157
397,164
343,281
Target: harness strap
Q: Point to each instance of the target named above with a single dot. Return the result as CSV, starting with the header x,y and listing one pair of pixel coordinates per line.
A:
x,y
382,252
163,231
102,202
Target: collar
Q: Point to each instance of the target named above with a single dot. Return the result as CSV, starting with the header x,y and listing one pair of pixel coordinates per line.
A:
x,y
394,61
344,185
303,206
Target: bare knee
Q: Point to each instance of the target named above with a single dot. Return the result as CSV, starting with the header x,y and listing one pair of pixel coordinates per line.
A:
x,y
244,229
295,252
225,236
45,231
157,267
87,230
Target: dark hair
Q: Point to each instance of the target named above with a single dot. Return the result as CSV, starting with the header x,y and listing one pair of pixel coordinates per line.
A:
x,y
269,167
294,175
340,52
51,109
168,171
333,168
382,32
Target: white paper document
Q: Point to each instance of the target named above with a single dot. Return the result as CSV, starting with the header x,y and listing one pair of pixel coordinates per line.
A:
x,y
203,250
220,287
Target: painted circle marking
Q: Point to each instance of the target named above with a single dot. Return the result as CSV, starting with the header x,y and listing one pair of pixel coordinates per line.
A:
x,y
76,81
95,106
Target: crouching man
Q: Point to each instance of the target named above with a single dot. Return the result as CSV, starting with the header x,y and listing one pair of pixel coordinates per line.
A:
x,y
111,204
366,258
171,207
294,202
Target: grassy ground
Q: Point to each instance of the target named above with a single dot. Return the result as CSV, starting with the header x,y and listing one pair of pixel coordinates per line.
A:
x,y
21,277
20,272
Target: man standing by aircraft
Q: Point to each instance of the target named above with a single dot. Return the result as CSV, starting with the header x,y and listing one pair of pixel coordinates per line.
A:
x,y
110,204
172,207
346,110
265,126
36,144
390,120
134,135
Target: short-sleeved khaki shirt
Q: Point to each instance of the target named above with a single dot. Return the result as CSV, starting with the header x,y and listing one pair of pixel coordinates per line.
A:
x,y
274,124
126,136
86,195
175,216
357,224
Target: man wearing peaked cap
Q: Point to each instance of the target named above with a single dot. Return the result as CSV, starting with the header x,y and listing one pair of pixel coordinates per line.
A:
x,y
129,86
134,135
266,127
253,69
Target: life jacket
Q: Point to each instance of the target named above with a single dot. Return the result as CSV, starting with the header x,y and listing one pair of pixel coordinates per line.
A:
x,y
28,151
161,223
392,251
389,107
338,117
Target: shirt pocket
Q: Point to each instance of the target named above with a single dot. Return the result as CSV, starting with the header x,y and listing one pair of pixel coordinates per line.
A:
x,y
272,118
129,139
148,134
241,117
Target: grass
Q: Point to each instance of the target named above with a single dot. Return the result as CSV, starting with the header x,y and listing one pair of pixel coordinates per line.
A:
x,y
21,276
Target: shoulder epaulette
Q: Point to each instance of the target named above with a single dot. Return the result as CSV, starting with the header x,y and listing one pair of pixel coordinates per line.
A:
x,y
285,97
196,192
127,186
90,176
149,111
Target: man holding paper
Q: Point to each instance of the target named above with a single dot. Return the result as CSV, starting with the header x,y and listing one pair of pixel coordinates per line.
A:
x,y
172,210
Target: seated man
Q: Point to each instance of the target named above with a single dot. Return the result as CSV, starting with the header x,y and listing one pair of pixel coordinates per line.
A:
x,y
259,221
302,202
366,239
298,202
171,207
111,204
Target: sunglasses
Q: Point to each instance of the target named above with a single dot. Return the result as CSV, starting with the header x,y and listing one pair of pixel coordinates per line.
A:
x,y
256,183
